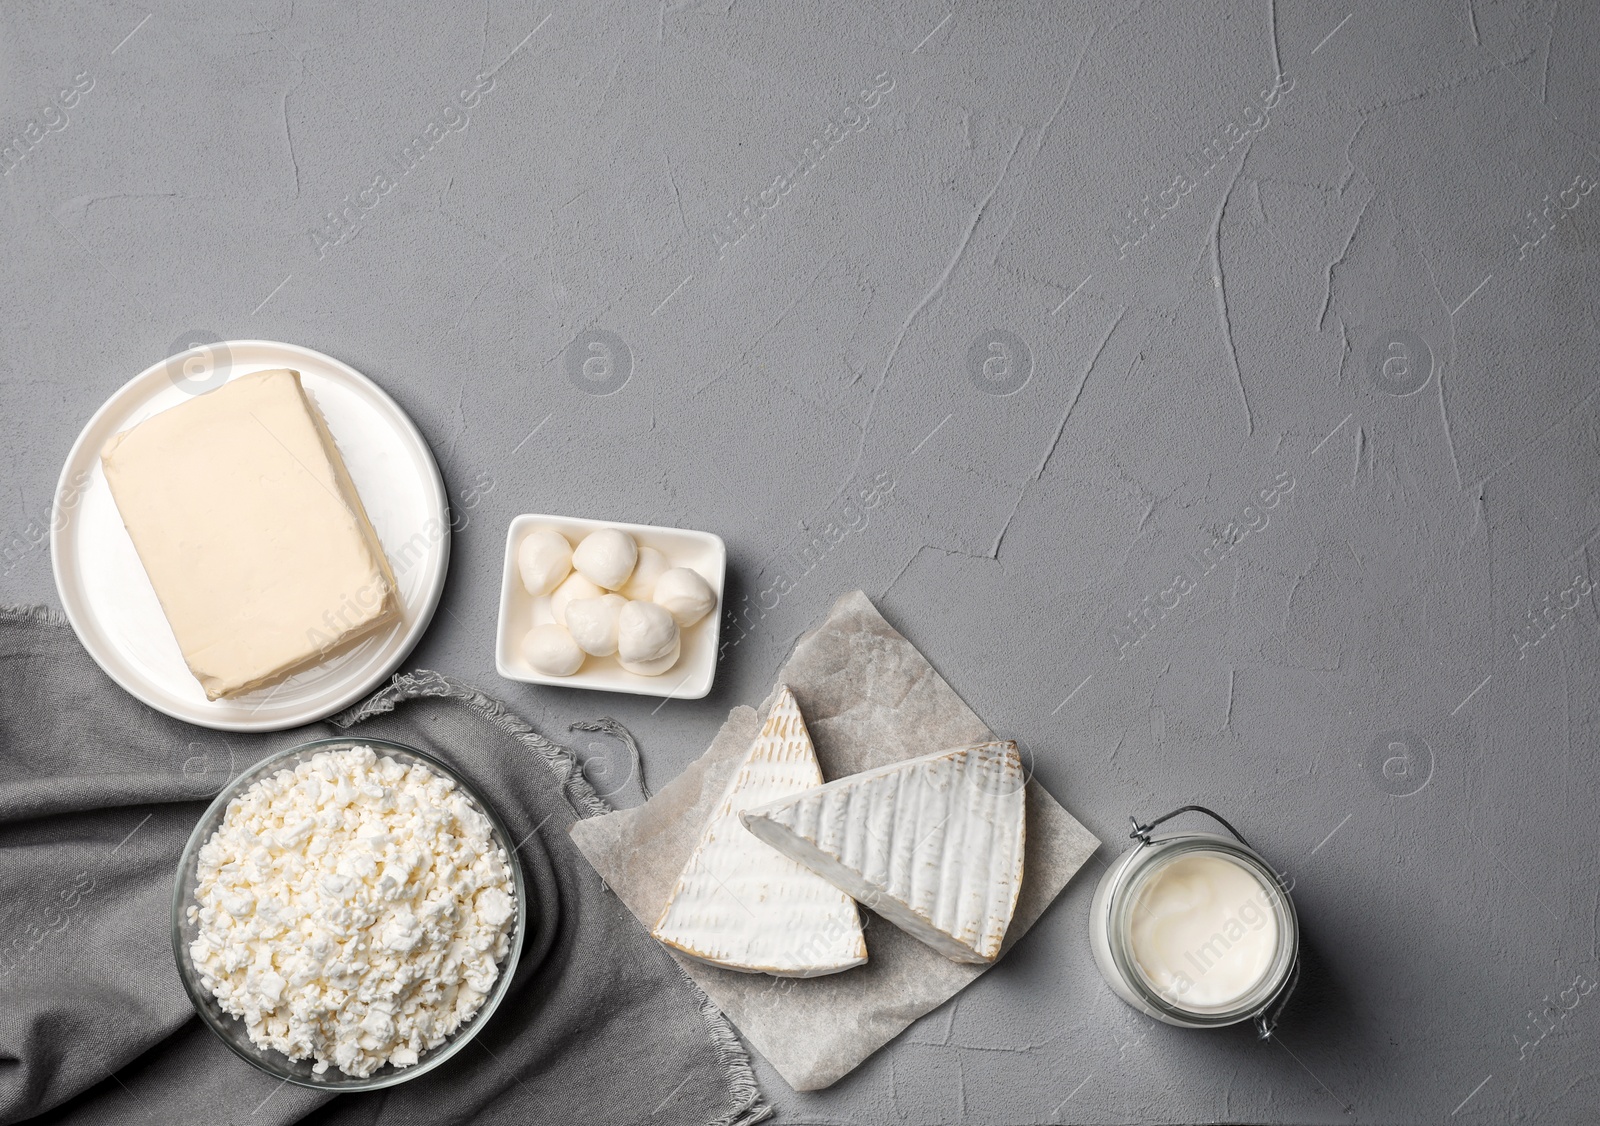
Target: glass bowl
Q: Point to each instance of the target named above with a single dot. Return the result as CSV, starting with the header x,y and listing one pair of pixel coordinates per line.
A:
x,y
232,1029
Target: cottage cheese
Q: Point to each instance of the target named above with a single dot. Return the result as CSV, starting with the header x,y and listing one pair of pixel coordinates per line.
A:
x,y
352,909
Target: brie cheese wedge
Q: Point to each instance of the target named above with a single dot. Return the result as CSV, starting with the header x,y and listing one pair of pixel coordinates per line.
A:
x,y
933,844
741,905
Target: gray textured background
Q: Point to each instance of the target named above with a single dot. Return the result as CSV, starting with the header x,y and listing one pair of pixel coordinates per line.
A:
x,y
1420,597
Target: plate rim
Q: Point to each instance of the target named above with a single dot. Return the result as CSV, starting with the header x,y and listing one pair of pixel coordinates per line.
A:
x,y
509,575
322,707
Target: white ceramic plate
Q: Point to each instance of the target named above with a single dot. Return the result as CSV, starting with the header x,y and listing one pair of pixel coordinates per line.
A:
x,y
113,607
689,679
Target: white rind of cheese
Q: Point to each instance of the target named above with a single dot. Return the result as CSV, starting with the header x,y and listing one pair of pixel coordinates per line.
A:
x,y
933,844
250,531
739,904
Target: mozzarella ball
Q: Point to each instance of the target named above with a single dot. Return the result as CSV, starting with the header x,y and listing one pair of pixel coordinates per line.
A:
x,y
593,623
642,583
657,666
645,632
606,557
544,558
574,586
551,650
686,595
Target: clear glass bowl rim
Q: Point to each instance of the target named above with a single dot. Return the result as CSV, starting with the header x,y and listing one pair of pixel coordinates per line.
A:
x,y
230,1029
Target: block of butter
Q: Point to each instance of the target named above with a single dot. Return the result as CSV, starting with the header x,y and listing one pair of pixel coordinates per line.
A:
x,y
251,531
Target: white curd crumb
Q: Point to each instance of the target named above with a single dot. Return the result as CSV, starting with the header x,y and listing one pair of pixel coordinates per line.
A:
x,y
353,910
549,648
686,595
593,623
544,558
606,558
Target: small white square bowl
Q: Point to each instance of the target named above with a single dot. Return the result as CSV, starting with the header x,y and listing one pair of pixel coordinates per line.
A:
x,y
689,679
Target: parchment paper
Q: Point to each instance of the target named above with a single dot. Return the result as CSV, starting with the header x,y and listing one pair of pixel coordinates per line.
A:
x,y
869,699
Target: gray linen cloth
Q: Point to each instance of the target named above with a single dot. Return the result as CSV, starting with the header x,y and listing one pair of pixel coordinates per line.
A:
x,y
98,794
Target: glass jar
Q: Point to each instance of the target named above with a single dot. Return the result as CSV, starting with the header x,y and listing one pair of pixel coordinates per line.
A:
x,y
1118,899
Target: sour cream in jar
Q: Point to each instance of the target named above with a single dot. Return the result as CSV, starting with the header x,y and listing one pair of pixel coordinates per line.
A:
x,y
1203,931
1196,930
